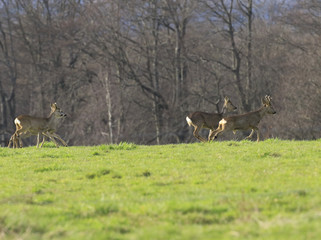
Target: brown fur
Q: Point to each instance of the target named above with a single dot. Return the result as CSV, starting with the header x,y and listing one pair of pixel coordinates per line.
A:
x,y
245,121
28,125
201,120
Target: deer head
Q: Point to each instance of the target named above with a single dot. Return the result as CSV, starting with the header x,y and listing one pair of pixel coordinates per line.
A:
x,y
57,111
228,105
266,101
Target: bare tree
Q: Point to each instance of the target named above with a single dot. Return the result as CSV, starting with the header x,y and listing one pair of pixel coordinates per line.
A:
x,y
8,69
227,18
131,70
246,8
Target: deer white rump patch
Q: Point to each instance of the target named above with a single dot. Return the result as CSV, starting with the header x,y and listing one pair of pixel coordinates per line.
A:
x,y
17,121
223,121
189,121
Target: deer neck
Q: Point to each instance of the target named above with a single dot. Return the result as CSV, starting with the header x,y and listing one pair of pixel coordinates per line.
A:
x,y
262,111
223,111
51,120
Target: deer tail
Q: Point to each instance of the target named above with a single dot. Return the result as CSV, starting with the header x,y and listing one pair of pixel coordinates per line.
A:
x,y
189,121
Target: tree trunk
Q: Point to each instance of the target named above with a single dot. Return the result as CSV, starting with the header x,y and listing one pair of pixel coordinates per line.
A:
x,y
109,108
248,89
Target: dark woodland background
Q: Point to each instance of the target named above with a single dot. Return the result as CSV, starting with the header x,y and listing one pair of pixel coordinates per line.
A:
x,y
132,70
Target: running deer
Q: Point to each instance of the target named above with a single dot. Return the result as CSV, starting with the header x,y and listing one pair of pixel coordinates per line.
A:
x,y
201,120
28,125
245,121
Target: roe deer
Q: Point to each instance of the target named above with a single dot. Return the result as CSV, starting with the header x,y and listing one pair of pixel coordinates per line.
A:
x,y
201,120
245,121
28,125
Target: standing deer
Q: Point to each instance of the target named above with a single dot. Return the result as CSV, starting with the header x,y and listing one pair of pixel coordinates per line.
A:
x,y
201,120
245,121
28,125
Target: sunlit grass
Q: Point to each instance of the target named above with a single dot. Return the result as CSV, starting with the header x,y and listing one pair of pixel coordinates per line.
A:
x,y
221,190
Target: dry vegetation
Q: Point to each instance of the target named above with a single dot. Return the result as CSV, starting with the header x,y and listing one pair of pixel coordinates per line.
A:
x,y
132,71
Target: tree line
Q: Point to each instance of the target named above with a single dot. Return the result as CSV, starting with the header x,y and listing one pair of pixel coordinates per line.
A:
x,y
132,70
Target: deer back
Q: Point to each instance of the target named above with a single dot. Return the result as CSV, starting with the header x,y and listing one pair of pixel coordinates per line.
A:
x,y
251,119
242,121
207,120
30,123
38,124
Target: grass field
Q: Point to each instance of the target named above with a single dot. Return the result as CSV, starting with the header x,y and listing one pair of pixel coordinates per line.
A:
x,y
220,190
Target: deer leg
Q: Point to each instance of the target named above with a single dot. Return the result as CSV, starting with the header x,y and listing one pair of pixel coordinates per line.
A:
x,y
209,134
43,140
11,141
196,134
59,138
51,138
213,135
251,134
19,141
16,141
55,135
38,136
38,140
258,135
18,134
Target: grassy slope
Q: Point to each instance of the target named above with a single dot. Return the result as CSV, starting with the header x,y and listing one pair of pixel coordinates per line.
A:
x,y
222,190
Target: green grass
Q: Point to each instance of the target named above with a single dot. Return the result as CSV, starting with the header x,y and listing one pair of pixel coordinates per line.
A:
x,y
220,190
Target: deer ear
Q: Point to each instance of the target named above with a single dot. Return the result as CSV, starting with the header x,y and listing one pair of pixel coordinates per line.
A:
x,y
54,105
263,101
